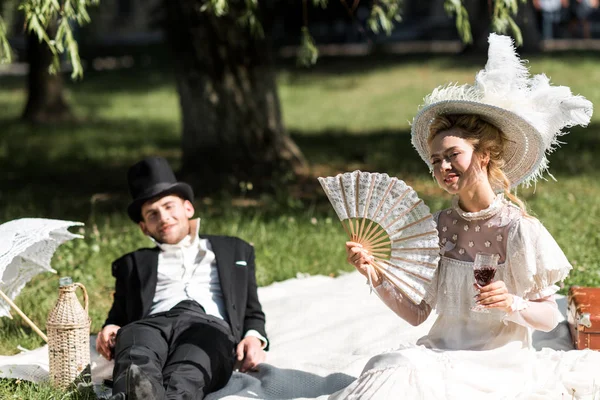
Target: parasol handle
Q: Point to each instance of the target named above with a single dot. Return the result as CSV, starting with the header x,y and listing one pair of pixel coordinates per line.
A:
x,y
22,314
85,296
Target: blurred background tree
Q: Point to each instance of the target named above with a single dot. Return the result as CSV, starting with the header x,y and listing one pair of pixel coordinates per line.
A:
x,y
49,26
232,127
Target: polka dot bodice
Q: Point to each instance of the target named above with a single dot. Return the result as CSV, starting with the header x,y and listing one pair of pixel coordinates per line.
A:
x,y
463,234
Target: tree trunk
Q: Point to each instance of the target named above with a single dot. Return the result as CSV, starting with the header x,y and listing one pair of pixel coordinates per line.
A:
x,y
232,126
46,101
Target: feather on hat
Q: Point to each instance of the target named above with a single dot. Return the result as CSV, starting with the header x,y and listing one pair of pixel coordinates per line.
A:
x,y
528,110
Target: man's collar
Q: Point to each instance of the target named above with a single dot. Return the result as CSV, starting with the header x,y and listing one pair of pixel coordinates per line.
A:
x,y
188,241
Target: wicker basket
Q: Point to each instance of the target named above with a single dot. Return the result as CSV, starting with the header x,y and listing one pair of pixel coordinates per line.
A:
x,y
68,328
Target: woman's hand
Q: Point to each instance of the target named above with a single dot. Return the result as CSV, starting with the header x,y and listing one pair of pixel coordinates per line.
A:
x,y
361,260
494,295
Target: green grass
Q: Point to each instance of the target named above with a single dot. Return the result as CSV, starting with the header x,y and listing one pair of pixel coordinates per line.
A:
x,y
343,114
16,389
358,97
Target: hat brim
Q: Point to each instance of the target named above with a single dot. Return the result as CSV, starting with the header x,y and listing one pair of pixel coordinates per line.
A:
x,y
182,189
523,151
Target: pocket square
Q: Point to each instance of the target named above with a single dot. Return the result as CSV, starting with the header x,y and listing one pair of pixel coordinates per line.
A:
x,y
241,263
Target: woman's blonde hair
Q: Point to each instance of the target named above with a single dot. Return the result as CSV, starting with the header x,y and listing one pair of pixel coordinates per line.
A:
x,y
486,139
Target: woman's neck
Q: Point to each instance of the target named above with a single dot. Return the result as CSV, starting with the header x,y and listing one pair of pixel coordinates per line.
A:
x,y
476,199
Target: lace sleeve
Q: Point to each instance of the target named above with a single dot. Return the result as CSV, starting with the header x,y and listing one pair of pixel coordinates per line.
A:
x,y
541,314
535,260
402,306
432,288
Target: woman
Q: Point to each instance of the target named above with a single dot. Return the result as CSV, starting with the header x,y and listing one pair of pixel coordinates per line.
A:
x,y
480,141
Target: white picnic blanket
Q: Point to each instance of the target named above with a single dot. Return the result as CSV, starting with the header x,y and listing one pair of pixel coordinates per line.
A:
x,y
322,331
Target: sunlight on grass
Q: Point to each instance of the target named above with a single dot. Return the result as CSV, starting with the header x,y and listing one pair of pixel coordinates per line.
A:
x,y
386,98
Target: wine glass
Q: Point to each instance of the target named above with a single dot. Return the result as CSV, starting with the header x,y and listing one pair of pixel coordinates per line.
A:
x,y
484,269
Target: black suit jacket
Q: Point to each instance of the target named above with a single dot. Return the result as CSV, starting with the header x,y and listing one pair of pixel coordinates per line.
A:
x,y
136,276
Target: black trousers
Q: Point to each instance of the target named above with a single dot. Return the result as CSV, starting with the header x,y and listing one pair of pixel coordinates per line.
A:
x,y
184,352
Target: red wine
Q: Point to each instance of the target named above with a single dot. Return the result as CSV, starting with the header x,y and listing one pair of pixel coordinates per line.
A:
x,y
484,275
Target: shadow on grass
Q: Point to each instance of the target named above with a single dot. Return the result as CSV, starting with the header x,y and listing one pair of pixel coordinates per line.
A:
x,y
75,170
61,171
130,80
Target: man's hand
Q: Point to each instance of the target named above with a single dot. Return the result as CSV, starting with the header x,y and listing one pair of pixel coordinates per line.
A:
x,y
494,295
105,341
250,351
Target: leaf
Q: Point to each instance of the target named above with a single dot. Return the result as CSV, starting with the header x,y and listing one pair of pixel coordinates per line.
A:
x,y
463,26
39,14
217,7
383,14
250,20
308,52
33,25
374,18
372,21
516,32
502,19
5,50
54,65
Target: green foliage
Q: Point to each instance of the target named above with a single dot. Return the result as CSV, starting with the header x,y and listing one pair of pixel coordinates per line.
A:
x,y
384,14
216,7
308,52
250,20
5,50
456,8
502,18
44,16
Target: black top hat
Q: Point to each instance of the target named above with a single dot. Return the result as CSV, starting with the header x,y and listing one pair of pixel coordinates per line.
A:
x,y
150,178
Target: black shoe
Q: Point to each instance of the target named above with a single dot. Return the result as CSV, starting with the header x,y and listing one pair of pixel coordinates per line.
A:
x,y
138,385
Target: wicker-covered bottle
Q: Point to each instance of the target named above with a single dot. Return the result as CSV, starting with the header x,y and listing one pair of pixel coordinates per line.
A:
x,y
68,328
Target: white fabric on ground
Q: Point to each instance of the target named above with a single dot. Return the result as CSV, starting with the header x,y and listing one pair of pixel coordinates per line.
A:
x,y
322,332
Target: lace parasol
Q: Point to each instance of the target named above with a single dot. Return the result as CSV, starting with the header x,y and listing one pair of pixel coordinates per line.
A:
x,y
26,249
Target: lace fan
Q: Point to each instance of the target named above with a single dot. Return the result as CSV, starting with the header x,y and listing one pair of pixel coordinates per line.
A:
x,y
387,217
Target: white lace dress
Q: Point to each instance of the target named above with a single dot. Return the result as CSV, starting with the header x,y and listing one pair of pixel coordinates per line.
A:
x,y
473,355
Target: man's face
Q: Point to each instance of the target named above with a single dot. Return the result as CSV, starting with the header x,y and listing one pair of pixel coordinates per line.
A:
x,y
167,219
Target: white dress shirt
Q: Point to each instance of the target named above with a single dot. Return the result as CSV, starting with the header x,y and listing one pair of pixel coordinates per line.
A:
x,y
188,271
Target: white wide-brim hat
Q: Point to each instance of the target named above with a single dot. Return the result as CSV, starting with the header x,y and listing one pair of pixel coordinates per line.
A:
x,y
528,110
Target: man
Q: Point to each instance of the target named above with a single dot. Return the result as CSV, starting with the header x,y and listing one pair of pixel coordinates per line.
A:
x,y
185,310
